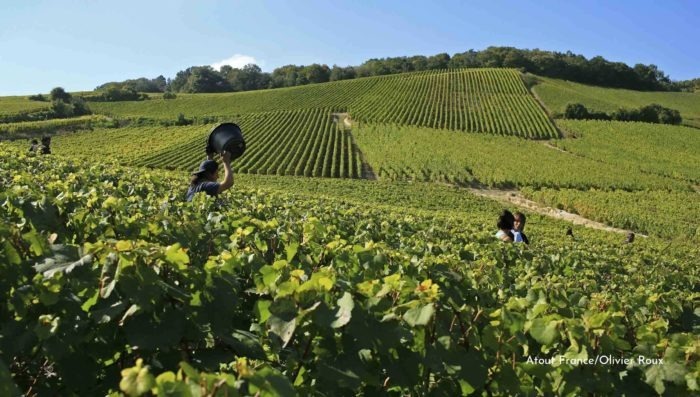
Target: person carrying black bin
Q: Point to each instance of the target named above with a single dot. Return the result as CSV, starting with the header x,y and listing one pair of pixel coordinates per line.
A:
x,y
205,179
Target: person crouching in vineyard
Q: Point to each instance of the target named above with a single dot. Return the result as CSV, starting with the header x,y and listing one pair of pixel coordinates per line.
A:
x,y
34,147
205,179
519,229
505,226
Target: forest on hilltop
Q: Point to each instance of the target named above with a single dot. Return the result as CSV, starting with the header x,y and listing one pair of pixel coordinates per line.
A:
x,y
562,65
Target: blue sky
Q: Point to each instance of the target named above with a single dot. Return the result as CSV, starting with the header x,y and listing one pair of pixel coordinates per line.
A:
x,y
81,44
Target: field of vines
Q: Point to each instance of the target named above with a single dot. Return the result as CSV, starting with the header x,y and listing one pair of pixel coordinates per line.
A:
x,y
556,94
665,214
477,100
303,142
35,129
666,150
126,144
113,285
410,153
20,104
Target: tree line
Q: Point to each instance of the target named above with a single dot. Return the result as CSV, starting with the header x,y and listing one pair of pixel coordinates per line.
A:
x,y
653,113
563,65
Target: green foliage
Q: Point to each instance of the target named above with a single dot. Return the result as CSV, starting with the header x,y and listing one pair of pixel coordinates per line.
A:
x,y
274,293
653,113
61,109
182,120
38,97
200,79
59,94
576,111
169,95
142,84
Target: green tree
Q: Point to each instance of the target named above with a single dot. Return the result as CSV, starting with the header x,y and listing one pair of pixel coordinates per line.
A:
x,y
205,79
342,73
576,111
316,73
59,94
61,109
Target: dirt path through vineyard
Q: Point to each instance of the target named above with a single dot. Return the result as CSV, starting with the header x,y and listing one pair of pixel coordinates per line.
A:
x,y
514,197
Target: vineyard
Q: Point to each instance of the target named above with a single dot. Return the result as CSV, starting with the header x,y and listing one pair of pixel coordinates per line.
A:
x,y
338,285
302,142
556,94
661,213
33,129
656,149
114,284
14,104
409,153
476,100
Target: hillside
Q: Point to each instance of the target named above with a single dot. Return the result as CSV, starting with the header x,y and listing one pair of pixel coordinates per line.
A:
x,y
18,104
303,138
475,100
556,94
426,154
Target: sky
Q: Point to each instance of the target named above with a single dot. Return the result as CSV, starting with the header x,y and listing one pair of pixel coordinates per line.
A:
x,y
79,45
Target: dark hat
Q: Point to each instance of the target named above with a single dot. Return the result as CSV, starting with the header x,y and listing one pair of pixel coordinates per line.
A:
x,y
207,167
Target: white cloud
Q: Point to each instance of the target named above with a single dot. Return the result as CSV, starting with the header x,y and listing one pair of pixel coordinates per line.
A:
x,y
237,61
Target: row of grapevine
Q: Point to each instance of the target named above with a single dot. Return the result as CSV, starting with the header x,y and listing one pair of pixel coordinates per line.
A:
x,y
302,142
476,100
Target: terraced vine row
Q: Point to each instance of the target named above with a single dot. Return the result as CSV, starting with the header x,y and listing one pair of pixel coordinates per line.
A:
x,y
302,143
476,100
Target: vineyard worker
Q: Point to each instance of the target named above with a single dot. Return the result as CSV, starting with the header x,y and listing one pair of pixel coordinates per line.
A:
x,y
45,147
518,229
206,178
35,146
505,226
